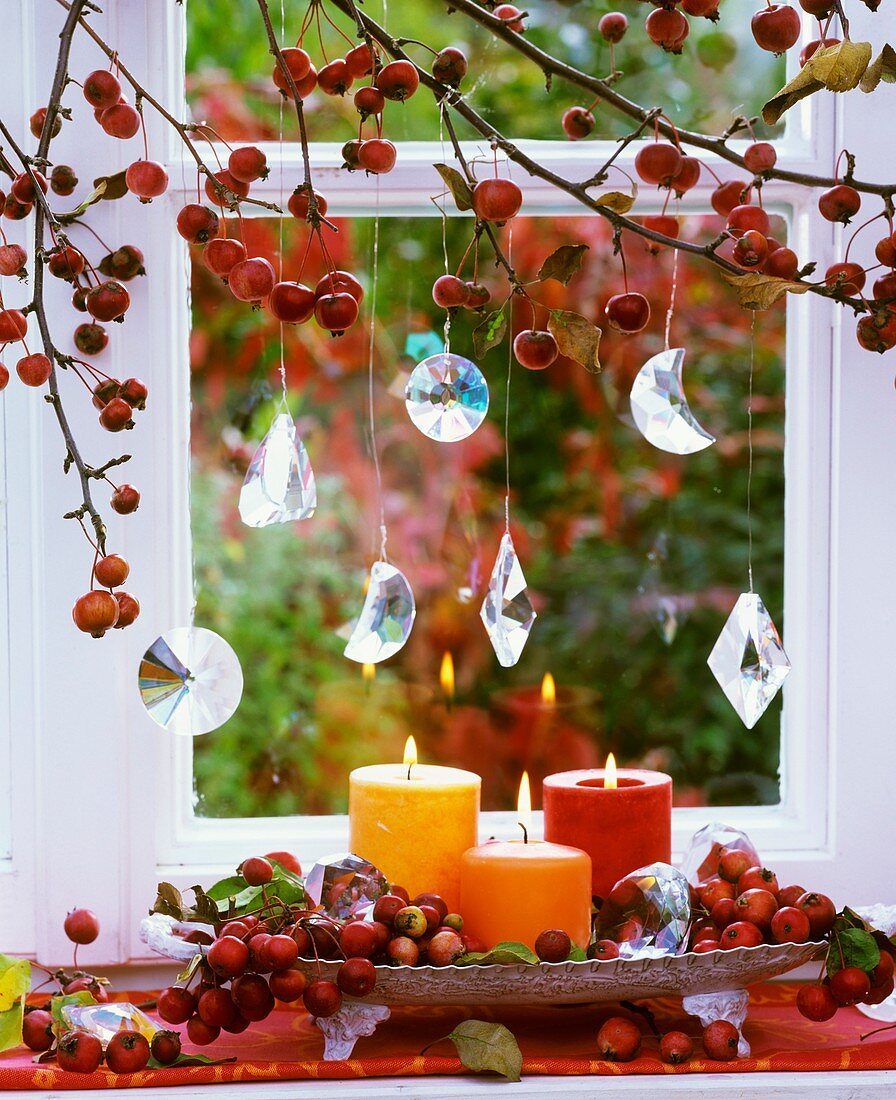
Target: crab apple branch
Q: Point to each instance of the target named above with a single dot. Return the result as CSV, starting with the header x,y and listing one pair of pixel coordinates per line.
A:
x,y
552,67
183,129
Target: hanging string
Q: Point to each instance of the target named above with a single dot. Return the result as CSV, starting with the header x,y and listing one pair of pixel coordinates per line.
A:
x,y
370,389
283,389
441,205
750,452
671,310
507,394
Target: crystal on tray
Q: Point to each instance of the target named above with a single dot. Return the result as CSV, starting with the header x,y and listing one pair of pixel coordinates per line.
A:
x,y
701,860
106,1020
387,618
345,884
447,397
279,485
660,408
507,611
647,913
748,659
190,681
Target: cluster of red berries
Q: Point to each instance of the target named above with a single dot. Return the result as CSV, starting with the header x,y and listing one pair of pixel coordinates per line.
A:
x,y
620,1040
78,1050
253,960
97,610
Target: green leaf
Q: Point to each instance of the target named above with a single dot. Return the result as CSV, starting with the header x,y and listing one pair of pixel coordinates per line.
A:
x,y
15,981
168,901
57,1004
486,1047
115,186
189,1060
852,947
576,954
563,263
95,195
227,888
490,332
837,68
508,953
576,337
190,969
457,185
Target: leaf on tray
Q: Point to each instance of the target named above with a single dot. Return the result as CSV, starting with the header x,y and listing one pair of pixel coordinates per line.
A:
x,y
508,953
485,1047
852,947
189,1060
15,981
57,1004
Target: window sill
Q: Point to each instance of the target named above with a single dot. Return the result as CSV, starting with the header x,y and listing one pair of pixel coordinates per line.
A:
x,y
824,1086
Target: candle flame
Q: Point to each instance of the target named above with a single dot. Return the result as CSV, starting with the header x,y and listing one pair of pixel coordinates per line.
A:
x,y
548,690
410,752
610,783
524,806
368,673
446,675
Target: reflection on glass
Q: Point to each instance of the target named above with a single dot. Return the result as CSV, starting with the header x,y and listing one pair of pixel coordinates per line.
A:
x,y
591,502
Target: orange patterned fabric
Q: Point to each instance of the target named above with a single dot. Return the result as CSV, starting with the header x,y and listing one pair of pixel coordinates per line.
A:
x,y
288,1046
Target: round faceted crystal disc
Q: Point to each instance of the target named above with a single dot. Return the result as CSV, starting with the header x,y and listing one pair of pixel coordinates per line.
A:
x,y
447,397
190,681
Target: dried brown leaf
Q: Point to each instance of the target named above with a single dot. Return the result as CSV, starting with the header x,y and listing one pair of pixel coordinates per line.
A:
x,y
563,263
457,185
882,68
617,201
576,337
756,291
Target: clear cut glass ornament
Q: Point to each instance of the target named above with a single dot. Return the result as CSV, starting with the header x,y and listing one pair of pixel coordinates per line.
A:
x,y
345,884
507,612
660,408
106,1020
647,913
279,485
387,618
748,659
701,858
190,681
447,397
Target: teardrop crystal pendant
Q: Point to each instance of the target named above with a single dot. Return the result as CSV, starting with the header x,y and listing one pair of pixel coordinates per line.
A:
x,y
507,611
190,681
748,659
661,410
279,484
447,397
386,619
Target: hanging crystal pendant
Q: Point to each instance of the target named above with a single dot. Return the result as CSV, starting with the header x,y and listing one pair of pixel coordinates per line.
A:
x,y
386,619
748,659
660,408
507,611
190,681
279,484
447,397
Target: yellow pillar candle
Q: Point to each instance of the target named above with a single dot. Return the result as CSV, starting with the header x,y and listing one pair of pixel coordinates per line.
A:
x,y
514,890
414,821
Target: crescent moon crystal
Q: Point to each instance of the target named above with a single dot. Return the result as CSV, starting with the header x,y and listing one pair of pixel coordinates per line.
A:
x,y
661,410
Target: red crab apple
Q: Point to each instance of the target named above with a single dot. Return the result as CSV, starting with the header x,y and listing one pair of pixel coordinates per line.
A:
x,y
628,312
612,26
720,1041
790,925
619,1039
821,913
497,200
675,1048
79,1052
740,934
776,27
535,350
816,1002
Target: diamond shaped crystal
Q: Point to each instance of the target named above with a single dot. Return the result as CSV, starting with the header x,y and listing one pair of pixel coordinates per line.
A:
x,y
647,913
279,485
190,681
748,659
386,619
660,408
106,1020
345,884
507,611
701,860
447,397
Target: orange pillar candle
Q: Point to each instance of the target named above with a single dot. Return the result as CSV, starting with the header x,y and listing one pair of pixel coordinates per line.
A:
x,y
514,890
623,819
414,821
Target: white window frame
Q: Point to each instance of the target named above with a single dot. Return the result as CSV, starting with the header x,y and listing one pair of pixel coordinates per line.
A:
x,y
102,801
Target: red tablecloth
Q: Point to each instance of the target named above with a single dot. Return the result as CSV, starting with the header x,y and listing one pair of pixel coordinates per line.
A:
x,y
287,1046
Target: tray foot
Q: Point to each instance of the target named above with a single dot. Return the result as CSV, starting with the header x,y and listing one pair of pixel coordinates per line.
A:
x,y
347,1026
730,1005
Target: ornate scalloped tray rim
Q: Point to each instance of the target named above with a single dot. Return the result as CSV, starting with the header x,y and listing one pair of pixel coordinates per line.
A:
x,y
581,982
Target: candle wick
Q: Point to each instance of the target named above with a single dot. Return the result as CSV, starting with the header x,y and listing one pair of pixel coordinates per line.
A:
x,y
525,832
409,770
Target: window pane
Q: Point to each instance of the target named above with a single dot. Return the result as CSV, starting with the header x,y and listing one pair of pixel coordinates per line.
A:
x,y
617,539
229,69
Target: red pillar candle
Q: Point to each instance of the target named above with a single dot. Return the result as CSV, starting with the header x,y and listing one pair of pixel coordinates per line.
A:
x,y
622,828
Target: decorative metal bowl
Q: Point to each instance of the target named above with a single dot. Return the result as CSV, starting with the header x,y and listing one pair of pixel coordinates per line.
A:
x,y
545,983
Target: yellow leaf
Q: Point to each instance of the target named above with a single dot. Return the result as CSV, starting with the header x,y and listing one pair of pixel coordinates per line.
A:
x,y
756,291
883,67
837,68
617,201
